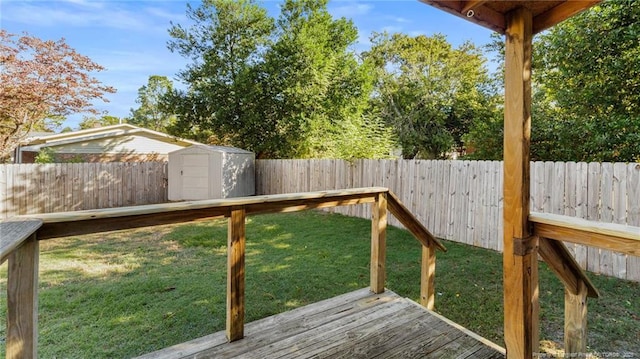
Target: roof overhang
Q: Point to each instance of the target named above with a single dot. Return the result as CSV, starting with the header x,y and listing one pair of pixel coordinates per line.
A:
x,y
491,14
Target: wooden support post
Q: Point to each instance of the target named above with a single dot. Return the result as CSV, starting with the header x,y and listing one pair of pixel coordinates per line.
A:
x,y
427,277
235,274
520,256
378,243
22,301
575,322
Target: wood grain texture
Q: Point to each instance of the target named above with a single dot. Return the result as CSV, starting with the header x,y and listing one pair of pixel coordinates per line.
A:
x,y
493,14
102,220
558,13
236,244
428,277
22,301
358,324
520,272
377,269
562,263
13,233
611,236
575,322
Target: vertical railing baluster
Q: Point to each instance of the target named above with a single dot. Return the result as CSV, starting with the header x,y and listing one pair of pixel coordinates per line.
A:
x,y
378,243
428,276
235,274
22,301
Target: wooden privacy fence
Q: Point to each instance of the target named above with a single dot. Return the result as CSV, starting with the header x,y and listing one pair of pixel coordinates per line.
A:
x,y
462,200
457,200
61,187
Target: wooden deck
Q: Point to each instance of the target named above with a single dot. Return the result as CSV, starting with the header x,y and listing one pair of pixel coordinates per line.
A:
x,y
359,324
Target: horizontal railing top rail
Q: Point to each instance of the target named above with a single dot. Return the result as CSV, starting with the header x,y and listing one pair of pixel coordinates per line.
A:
x,y
613,236
101,220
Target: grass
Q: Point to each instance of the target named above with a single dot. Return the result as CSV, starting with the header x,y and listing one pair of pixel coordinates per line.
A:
x,y
127,293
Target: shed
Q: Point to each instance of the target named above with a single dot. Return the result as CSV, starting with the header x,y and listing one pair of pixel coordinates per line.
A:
x,y
207,172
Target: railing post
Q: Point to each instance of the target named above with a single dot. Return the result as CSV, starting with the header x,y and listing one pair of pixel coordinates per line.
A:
x,y
22,301
235,274
575,322
427,277
520,254
378,243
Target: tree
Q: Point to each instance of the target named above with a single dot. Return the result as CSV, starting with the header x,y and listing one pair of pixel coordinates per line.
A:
x,y
429,92
41,80
95,122
317,91
285,88
587,93
151,113
224,42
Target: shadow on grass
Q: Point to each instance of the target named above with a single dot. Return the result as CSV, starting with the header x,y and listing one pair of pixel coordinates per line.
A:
x,y
127,293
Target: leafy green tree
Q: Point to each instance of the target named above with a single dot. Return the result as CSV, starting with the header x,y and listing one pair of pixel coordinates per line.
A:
x,y
95,122
587,71
225,42
429,92
151,113
317,90
282,88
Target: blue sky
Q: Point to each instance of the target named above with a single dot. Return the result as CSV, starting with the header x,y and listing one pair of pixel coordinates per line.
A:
x,y
129,37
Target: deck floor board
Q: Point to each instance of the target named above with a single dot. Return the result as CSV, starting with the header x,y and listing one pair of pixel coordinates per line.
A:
x,y
358,324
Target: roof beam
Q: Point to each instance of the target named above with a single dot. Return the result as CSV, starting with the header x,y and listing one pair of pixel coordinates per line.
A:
x,y
482,15
471,5
558,13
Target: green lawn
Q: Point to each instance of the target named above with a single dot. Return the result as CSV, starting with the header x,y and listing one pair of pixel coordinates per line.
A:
x,y
126,293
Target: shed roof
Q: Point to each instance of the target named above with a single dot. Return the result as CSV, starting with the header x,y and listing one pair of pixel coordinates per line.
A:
x,y
213,148
491,14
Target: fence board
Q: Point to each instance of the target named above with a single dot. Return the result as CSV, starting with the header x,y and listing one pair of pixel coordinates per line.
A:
x,y
45,188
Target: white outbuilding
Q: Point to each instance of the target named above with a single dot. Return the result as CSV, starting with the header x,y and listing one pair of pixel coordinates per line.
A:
x,y
208,172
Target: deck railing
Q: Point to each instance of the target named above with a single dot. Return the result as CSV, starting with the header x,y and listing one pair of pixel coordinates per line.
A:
x,y
19,244
551,230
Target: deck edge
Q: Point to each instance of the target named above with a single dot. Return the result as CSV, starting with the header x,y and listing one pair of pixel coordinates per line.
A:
x,y
463,329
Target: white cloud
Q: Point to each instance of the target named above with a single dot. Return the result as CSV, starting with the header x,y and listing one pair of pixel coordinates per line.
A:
x,y
350,9
146,61
160,13
400,20
83,14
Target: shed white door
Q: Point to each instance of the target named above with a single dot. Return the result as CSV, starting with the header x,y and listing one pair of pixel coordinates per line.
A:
x,y
195,176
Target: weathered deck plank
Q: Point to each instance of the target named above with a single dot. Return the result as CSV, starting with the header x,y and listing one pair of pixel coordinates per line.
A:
x,y
359,324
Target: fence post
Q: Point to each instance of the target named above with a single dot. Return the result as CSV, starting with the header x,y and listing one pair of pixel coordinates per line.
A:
x,y
378,243
22,301
235,274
